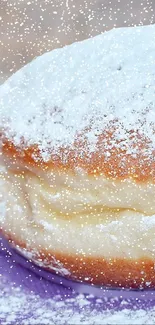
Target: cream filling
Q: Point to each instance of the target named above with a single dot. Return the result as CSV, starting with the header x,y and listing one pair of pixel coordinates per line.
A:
x,y
79,214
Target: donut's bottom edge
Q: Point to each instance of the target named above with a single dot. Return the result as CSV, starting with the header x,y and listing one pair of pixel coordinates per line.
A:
x,y
118,274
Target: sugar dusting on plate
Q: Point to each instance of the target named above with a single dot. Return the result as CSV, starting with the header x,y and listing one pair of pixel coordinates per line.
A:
x,y
54,264
80,90
17,306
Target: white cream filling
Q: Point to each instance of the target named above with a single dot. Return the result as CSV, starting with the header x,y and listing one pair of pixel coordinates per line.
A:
x,y
79,214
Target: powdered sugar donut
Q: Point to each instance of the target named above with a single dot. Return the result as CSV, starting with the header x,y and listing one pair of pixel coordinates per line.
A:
x,y
78,159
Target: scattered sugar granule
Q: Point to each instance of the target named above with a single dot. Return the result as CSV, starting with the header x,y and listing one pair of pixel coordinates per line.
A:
x,y
22,308
80,90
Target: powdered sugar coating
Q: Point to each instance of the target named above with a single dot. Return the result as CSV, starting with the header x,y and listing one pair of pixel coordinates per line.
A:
x,y
19,306
54,264
82,89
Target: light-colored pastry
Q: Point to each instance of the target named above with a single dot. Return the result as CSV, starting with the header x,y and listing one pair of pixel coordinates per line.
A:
x,y
78,159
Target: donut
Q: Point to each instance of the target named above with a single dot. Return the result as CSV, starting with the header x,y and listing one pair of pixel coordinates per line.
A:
x,y
77,135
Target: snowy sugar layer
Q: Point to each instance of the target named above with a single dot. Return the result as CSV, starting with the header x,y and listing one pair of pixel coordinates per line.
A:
x,y
17,306
84,86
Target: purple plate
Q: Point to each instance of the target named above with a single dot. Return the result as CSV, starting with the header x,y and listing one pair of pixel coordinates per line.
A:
x,y
35,296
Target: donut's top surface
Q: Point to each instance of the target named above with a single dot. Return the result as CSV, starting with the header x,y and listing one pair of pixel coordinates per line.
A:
x,y
89,105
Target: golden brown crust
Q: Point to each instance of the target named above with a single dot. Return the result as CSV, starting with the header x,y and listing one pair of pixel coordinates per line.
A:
x,y
118,165
96,113
113,273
